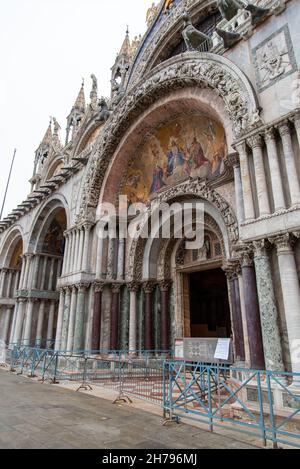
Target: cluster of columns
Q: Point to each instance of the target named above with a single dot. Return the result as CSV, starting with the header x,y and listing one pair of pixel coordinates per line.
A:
x,y
110,252
27,331
76,257
9,282
134,288
71,314
268,138
255,315
40,272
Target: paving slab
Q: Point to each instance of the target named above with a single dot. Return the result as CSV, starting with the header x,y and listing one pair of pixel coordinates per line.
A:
x,y
33,415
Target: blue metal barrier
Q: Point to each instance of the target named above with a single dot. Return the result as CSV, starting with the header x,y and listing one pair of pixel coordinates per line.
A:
x,y
264,404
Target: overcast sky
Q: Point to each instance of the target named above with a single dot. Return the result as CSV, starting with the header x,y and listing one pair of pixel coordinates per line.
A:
x,y
46,48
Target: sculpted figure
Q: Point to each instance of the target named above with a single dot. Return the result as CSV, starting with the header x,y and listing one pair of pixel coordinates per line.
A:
x,y
192,37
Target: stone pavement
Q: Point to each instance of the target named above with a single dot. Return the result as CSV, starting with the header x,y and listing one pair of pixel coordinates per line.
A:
x,y
33,415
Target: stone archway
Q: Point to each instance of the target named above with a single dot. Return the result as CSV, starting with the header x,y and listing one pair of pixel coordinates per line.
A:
x,y
202,70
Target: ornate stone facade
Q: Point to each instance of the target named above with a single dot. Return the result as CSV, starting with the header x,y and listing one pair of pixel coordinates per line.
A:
x,y
70,280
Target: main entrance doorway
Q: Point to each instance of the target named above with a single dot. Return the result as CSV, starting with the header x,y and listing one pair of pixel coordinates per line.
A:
x,y
208,304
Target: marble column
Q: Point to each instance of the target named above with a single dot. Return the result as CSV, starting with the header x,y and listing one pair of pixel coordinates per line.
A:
x,y
291,296
133,289
276,179
246,182
35,261
148,290
115,312
124,318
86,247
76,249
256,144
252,314
97,316
50,323
99,257
79,322
66,317
110,258
72,318
2,282
28,322
165,313
20,314
290,162
40,323
296,121
9,283
236,312
66,254
22,272
268,309
244,320
80,248
7,321
121,258
51,273
25,262
60,319
234,160
69,268
43,274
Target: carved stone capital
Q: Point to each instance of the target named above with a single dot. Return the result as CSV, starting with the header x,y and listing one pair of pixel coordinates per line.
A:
x,y
234,159
82,287
133,287
241,148
116,287
148,286
284,243
260,247
165,285
269,135
296,120
284,128
255,141
99,286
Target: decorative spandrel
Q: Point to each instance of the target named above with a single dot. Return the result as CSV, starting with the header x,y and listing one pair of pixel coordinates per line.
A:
x,y
188,147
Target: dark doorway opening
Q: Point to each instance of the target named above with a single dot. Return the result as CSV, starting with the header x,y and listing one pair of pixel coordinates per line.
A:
x,y
209,304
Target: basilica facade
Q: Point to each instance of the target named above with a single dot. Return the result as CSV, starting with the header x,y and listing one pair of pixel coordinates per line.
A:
x,y
205,107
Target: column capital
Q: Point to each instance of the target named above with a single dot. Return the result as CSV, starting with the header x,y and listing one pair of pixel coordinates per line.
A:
x,y
148,286
232,269
284,243
234,159
269,135
255,141
260,247
284,128
82,287
133,287
295,119
241,148
87,225
116,287
99,286
165,285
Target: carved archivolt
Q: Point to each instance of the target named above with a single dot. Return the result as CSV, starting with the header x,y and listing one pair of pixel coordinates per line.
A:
x,y
197,189
196,69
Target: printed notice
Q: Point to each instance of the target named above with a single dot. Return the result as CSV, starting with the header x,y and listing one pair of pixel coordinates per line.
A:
x,y
222,349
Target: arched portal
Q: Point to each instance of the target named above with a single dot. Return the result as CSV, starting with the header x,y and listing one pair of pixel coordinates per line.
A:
x,y
10,274
38,298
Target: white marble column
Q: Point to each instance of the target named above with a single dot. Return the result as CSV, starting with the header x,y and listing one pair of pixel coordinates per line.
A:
x,y
7,320
244,319
50,323
80,248
28,322
133,288
66,254
2,282
296,121
79,321
35,271
27,271
99,258
39,329
86,248
9,283
246,182
16,281
72,319
290,162
44,261
121,258
20,313
51,273
110,258
276,178
256,144
66,317
70,254
291,296
60,318
22,272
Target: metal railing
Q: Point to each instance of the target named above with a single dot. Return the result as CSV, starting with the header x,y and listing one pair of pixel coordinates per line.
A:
x,y
261,403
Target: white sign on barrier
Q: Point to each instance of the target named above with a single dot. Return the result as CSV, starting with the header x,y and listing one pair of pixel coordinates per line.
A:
x,y
222,349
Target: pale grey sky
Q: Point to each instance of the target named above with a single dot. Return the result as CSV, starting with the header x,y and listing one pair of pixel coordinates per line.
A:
x,y
46,48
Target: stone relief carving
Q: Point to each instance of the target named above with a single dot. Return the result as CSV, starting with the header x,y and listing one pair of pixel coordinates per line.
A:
x,y
205,70
274,58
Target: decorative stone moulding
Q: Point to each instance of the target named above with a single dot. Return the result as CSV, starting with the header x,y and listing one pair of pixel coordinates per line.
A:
x,y
204,70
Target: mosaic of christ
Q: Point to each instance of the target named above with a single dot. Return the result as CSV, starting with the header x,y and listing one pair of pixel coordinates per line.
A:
x,y
193,146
